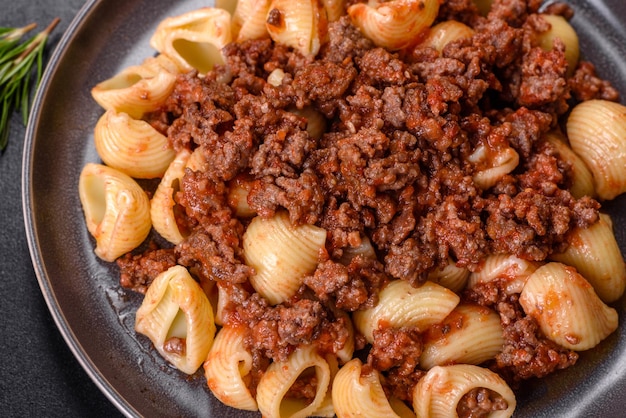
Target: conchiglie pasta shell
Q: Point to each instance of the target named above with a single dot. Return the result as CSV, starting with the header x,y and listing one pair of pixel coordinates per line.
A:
x,y
394,24
136,90
513,270
364,249
597,133
445,32
249,19
595,254
334,9
402,305
298,24
176,307
438,393
560,28
194,40
227,366
117,210
566,307
358,394
163,205
238,190
492,165
132,146
315,121
281,254
582,179
281,375
471,334
451,276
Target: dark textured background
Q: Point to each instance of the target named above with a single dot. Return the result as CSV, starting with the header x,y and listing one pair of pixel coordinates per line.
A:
x,y
39,375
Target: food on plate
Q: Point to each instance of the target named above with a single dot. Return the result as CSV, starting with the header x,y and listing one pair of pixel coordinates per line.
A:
x,y
392,208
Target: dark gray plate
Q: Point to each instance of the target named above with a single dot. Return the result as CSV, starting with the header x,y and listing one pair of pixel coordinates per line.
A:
x,y
96,317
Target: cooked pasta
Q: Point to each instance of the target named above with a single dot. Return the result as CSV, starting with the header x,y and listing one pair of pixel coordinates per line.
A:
x,y
136,90
273,389
163,205
394,24
595,254
561,29
596,130
193,40
402,305
117,210
132,146
471,334
438,393
450,276
492,164
513,270
178,318
281,254
298,24
445,32
568,310
248,20
227,367
358,393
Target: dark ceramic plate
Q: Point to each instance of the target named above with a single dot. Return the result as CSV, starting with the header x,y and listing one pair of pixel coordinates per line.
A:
x,y
96,317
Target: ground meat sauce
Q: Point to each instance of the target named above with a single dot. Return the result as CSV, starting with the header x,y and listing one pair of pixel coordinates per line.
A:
x,y
391,170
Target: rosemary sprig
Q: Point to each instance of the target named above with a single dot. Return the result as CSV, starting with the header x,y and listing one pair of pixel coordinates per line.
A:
x,y
17,60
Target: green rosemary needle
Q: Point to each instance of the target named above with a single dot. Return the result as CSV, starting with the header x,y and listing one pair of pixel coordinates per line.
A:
x,y
17,60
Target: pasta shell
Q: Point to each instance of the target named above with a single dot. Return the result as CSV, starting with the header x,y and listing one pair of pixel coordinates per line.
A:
x,y
492,164
136,90
560,28
471,334
402,305
227,367
582,179
334,9
117,210
132,146
595,254
445,32
281,254
365,250
566,307
596,130
438,393
514,270
249,19
451,276
176,312
298,24
163,206
238,191
394,24
315,121
280,377
194,40
359,393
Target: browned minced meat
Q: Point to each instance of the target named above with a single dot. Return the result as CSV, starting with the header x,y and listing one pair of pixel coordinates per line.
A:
x,y
586,85
137,271
392,169
479,403
350,288
175,345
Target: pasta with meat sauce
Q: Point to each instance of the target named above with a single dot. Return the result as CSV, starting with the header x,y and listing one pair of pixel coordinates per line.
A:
x,y
359,218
